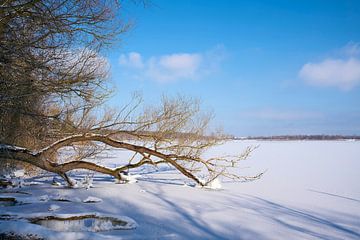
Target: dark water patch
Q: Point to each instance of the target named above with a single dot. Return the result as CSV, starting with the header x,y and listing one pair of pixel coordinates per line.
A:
x,y
86,223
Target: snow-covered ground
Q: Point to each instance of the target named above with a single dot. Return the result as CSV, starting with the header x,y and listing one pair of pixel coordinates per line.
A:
x,y
311,190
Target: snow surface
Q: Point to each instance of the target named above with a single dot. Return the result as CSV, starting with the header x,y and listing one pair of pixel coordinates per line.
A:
x,y
54,207
311,190
91,199
129,178
214,184
19,173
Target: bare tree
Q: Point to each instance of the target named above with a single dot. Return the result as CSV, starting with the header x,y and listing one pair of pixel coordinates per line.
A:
x,y
172,134
53,80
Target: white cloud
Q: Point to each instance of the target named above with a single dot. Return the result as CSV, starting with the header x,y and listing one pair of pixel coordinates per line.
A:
x,y
173,67
132,60
351,49
344,74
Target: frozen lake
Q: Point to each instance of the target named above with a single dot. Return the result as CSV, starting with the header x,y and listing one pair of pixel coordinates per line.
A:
x,y
311,190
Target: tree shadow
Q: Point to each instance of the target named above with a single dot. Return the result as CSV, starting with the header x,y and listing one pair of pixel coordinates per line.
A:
x,y
303,222
335,195
180,223
176,181
162,214
192,223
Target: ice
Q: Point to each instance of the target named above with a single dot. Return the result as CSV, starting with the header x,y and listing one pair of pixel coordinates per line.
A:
x,y
309,191
66,226
86,224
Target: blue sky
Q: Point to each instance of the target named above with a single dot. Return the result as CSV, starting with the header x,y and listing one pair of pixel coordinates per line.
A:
x,y
263,67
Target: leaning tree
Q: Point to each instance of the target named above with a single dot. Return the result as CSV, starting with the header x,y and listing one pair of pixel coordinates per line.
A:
x,y
53,86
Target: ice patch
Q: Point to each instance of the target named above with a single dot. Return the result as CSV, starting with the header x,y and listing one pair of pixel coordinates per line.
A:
x,y
65,226
86,223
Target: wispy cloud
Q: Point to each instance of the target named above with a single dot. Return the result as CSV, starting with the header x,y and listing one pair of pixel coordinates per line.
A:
x,y
343,73
351,49
173,67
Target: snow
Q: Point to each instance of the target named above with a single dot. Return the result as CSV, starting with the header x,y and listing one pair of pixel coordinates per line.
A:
x,y
87,182
19,173
11,147
311,190
129,178
91,199
31,183
54,207
214,184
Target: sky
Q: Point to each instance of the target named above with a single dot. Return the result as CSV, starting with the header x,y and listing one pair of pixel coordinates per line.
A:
x,y
263,67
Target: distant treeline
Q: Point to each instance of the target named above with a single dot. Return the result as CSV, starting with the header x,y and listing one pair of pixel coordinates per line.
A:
x,y
302,137
167,135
